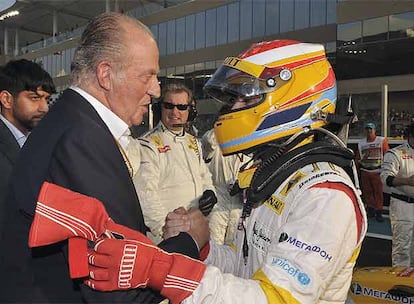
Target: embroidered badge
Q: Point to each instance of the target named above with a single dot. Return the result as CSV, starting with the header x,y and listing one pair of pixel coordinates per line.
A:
x,y
164,149
156,140
315,167
192,144
159,144
405,155
292,182
275,204
333,167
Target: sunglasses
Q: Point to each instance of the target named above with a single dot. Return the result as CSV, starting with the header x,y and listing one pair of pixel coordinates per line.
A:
x,y
170,106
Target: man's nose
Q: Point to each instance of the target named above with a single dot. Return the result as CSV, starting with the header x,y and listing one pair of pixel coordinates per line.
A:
x,y
238,105
44,105
175,110
155,90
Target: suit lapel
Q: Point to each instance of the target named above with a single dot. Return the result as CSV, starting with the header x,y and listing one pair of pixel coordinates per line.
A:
x,y
73,100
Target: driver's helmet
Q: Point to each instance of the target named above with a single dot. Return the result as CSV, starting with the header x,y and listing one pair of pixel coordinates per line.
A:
x,y
271,91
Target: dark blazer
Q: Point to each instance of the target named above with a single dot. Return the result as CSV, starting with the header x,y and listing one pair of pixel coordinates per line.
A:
x,y
9,150
71,147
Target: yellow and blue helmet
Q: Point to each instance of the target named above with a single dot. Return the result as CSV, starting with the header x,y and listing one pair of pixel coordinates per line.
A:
x,y
271,91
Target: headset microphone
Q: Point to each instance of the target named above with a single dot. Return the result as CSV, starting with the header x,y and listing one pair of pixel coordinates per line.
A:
x,y
179,125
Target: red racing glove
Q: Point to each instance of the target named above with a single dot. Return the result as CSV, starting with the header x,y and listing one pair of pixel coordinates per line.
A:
x,y
62,214
125,264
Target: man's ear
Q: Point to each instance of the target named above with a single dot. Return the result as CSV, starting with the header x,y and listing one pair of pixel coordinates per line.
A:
x,y
104,74
6,99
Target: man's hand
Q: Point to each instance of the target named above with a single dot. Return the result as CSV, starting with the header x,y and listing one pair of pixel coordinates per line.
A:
x,y
176,222
199,228
191,221
126,264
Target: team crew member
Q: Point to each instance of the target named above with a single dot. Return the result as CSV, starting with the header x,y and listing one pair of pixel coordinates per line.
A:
x,y
370,155
398,173
172,172
302,222
225,215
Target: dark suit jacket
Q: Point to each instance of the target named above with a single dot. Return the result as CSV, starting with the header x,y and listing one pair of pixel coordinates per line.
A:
x,y
9,150
71,147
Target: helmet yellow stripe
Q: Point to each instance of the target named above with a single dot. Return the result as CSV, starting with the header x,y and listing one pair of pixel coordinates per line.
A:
x,y
244,66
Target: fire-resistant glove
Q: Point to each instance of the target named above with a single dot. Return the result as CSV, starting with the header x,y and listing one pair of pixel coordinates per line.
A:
x,y
207,202
125,264
62,214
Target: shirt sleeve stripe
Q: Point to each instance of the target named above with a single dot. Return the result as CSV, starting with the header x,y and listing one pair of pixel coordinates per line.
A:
x,y
351,194
274,294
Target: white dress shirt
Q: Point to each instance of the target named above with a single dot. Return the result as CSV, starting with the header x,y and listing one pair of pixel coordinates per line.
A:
x,y
18,135
118,128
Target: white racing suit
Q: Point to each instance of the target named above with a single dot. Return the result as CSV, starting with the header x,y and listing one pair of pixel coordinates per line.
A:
x,y
399,162
302,245
172,174
226,213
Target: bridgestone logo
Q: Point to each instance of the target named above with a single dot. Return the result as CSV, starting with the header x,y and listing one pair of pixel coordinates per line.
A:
x,y
127,265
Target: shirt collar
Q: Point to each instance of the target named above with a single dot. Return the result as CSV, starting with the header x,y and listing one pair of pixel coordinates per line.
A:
x,y
165,129
18,135
118,128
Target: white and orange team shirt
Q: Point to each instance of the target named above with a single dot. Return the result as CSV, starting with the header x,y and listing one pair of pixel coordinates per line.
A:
x,y
371,153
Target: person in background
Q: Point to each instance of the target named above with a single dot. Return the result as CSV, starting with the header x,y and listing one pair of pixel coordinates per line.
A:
x,y
303,221
369,157
224,169
398,173
25,89
172,171
80,145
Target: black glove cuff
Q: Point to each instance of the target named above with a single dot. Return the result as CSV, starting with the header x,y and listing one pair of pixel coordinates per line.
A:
x,y
389,181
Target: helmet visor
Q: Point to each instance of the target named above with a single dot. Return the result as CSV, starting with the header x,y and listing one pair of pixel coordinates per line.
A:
x,y
230,85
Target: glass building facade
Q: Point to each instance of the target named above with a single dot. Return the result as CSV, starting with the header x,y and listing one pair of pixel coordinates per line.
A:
x,y
369,47
381,46
373,48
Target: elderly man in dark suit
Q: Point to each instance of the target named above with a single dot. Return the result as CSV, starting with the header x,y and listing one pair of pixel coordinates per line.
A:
x,y
81,145
25,89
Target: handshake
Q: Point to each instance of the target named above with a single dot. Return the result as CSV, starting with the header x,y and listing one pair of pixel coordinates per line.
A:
x,y
121,258
182,220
